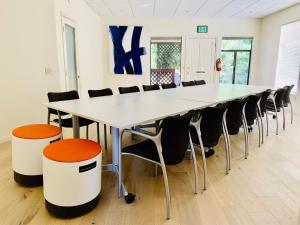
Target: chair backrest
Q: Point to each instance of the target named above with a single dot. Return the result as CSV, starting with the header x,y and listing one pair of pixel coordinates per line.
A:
x,y
279,94
211,125
251,108
126,90
263,101
188,83
151,87
61,96
175,138
200,82
100,92
286,96
234,115
168,86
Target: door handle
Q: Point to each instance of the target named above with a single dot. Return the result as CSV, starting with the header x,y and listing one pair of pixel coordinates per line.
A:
x,y
200,71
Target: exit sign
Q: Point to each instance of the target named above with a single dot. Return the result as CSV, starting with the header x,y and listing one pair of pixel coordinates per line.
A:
x,y
202,29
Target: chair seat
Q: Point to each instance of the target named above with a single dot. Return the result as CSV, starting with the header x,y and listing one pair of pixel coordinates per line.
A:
x,y
72,150
36,131
68,122
145,149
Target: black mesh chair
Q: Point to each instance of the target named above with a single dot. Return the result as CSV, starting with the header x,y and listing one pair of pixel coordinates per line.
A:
x,y
212,124
153,87
101,93
200,82
263,110
168,147
252,114
127,90
168,86
275,104
235,118
188,83
287,100
66,122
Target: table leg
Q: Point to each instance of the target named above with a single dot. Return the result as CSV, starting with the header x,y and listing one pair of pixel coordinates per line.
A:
x,y
116,158
75,122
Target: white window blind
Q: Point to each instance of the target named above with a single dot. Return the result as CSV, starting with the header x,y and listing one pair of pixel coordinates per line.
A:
x,y
288,65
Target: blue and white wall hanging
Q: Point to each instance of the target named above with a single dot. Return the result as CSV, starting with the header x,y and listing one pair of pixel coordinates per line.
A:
x,y
127,49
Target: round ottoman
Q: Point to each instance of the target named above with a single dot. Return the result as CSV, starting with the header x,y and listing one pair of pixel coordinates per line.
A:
x,y
28,143
72,177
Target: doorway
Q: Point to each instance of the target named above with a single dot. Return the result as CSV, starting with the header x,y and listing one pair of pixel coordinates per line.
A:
x,y
200,59
165,60
236,59
70,57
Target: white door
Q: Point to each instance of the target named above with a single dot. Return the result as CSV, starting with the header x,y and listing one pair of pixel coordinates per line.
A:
x,y
70,57
200,59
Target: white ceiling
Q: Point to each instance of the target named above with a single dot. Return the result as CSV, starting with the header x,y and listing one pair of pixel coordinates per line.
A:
x,y
188,8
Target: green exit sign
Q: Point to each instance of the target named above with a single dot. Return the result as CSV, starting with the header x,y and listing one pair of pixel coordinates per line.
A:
x,y
202,29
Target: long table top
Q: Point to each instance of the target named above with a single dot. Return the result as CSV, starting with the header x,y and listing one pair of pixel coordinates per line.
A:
x,y
127,110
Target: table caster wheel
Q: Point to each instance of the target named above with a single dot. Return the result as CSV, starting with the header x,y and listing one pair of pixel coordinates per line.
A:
x,y
274,117
129,198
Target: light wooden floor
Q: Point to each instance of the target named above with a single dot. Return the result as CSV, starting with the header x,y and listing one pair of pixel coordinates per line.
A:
x,y
262,190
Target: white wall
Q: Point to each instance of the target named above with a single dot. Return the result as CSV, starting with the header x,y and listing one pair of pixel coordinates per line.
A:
x,y
31,40
89,43
270,37
28,45
182,28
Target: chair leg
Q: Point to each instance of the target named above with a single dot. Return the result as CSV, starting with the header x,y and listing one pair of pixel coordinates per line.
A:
x,y
275,115
203,159
261,125
98,133
228,139
246,136
226,150
292,112
48,118
283,114
87,132
164,171
259,131
267,121
105,136
195,164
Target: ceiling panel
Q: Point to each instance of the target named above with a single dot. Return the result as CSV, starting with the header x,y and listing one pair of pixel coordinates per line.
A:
x,y
165,8
120,9
258,8
235,7
211,8
277,7
142,8
188,8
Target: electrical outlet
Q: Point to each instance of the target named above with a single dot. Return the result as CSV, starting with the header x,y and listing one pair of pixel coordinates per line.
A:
x,y
48,71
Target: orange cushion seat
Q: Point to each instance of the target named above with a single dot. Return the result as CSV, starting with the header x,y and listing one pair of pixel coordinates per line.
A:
x,y
72,150
36,131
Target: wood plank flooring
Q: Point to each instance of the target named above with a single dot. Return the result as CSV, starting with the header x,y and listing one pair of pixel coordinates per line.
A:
x,y
261,190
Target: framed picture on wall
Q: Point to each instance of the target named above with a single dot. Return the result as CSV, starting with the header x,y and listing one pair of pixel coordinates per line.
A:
x,y
127,50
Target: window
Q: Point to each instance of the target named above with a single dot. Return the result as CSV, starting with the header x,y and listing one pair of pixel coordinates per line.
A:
x,y
236,58
288,64
165,65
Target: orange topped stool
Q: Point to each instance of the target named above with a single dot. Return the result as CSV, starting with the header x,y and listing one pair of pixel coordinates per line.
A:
x,y
28,143
72,177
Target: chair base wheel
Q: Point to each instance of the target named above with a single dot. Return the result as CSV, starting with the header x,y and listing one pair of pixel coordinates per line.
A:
x,y
209,153
129,198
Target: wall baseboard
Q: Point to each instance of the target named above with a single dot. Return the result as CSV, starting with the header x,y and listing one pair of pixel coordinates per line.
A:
x,y
5,139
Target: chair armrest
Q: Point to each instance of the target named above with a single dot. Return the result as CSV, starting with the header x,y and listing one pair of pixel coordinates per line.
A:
x,y
144,134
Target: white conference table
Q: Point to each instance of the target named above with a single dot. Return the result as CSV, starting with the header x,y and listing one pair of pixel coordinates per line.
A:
x,y
125,111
